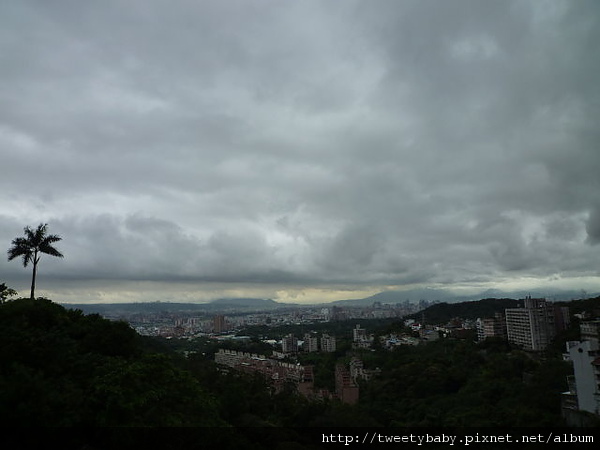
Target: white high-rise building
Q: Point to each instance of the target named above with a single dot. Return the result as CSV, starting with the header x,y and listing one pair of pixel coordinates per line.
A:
x,y
533,326
585,357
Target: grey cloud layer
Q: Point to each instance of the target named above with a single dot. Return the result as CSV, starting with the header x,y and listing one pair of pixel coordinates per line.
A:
x,y
304,142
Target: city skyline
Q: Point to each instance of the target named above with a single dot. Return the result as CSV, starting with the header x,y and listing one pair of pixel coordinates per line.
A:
x,y
304,152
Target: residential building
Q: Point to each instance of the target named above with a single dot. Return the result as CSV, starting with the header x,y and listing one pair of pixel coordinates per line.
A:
x,y
277,373
232,358
289,344
219,324
562,318
345,387
311,343
535,325
590,331
328,343
585,357
358,371
584,384
479,328
359,334
492,327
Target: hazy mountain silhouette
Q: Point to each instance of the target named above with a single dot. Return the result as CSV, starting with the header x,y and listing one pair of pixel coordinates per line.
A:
x,y
413,296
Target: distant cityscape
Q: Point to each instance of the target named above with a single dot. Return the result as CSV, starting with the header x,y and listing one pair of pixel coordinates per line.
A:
x,y
531,326
185,323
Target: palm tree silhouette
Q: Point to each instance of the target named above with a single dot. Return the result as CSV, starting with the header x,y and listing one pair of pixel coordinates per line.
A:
x,y
31,247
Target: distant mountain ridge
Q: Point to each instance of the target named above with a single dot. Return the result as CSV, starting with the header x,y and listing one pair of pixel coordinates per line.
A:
x,y
441,295
218,305
246,303
393,297
260,304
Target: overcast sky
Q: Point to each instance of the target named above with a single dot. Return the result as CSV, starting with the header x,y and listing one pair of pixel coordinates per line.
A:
x,y
300,150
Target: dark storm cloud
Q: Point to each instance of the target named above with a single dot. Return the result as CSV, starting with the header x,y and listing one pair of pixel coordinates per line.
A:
x,y
593,226
358,143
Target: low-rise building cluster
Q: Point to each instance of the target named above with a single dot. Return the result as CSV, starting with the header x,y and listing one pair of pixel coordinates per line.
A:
x,y
278,373
290,344
192,324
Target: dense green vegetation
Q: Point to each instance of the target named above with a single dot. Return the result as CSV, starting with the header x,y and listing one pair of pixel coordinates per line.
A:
x,y
60,367
444,312
460,383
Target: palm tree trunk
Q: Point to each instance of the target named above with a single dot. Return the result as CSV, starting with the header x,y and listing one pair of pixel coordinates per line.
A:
x,y
33,282
35,262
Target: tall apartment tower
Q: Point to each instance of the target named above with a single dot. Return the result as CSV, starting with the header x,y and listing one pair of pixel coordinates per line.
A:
x,y
311,343
289,344
533,326
219,324
585,357
359,334
584,384
328,343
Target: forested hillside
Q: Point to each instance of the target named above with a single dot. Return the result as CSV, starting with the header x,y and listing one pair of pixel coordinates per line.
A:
x,y
63,368
441,313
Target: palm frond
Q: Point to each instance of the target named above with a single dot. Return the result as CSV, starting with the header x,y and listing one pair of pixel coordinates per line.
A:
x,y
34,241
46,245
21,248
49,250
52,238
18,245
29,234
39,234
